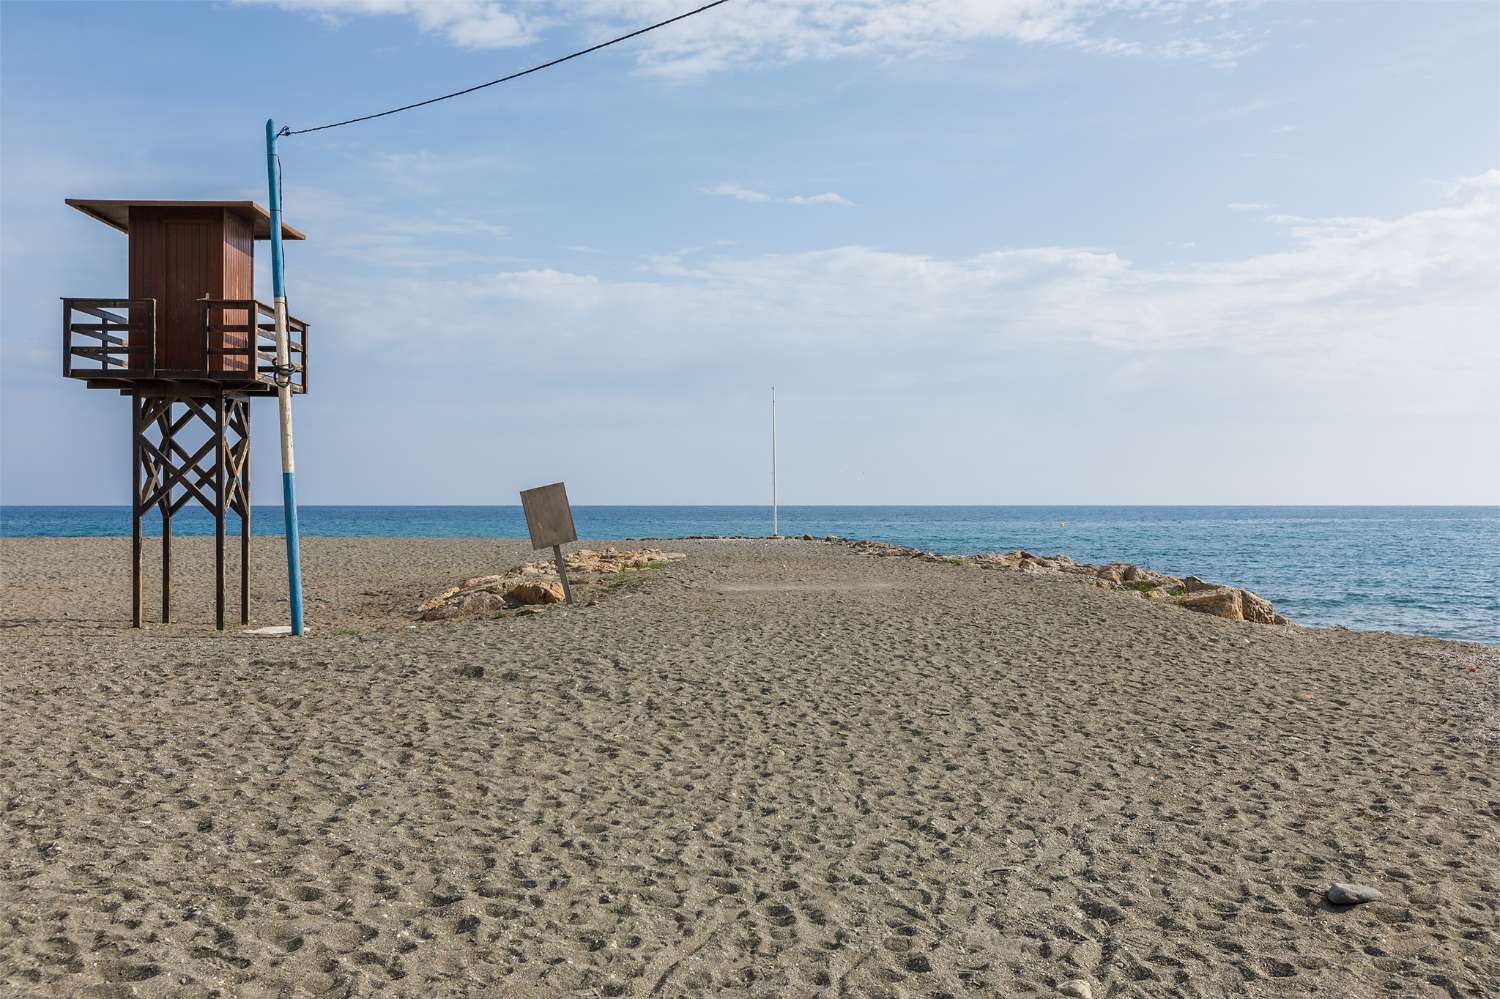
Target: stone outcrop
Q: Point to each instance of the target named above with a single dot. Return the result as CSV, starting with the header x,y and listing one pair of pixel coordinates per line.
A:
x,y
1257,609
1187,592
543,591
535,585
1221,601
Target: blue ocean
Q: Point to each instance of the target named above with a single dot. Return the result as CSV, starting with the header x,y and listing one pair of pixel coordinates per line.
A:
x,y
1422,570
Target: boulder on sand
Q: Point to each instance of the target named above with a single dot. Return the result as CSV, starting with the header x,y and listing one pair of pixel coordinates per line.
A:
x,y
535,584
1342,893
465,605
1222,601
543,591
1115,572
1256,608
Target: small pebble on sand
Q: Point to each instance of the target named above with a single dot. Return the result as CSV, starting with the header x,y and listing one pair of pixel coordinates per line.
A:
x,y
1078,987
1340,893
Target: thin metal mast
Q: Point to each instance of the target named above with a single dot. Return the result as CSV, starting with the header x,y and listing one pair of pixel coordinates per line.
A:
x,y
775,495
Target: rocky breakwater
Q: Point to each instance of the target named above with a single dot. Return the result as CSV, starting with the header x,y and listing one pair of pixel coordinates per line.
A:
x,y
1187,592
535,584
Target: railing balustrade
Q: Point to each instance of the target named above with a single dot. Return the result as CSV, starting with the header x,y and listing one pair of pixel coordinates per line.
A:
x,y
122,342
245,329
238,342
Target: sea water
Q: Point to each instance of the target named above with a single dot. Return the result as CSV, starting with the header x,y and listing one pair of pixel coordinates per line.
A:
x,y
1423,570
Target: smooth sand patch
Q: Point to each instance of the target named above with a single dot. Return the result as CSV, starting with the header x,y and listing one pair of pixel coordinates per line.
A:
x,y
840,587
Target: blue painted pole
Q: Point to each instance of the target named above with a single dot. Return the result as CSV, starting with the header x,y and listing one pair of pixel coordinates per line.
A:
x,y
284,387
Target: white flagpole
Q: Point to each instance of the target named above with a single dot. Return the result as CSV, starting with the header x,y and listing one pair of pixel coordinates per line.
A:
x,y
775,497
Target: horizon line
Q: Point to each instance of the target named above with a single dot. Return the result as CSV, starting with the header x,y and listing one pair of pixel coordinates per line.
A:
x,y
767,506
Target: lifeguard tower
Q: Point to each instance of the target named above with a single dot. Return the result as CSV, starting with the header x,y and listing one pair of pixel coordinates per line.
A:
x,y
190,346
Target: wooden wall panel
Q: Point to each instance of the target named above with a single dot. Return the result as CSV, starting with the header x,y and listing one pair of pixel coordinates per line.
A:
x,y
147,262
178,255
239,282
194,270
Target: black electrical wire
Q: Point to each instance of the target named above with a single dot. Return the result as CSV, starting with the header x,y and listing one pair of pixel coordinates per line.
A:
x,y
513,76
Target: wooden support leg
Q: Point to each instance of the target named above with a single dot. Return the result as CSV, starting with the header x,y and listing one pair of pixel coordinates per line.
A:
x,y
136,429
165,423
245,513
165,476
220,456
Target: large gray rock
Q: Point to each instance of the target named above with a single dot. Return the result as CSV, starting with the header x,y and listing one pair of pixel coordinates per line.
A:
x,y
1343,893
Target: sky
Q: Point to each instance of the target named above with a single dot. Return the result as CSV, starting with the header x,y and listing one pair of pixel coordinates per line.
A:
x,y
988,251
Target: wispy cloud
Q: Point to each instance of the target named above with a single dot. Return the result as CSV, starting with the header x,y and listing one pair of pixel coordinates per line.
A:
x,y
738,193
786,31
1347,306
447,227
826,198
741,193
470,24
1248,206
408,240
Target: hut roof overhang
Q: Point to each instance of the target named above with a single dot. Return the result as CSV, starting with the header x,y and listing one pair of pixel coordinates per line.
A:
x,y
116,214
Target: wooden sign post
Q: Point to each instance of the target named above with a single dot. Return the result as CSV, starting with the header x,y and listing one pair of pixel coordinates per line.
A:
x,y
550,521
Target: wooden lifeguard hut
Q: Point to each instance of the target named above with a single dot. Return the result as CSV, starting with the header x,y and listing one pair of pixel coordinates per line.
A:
x,y
191,346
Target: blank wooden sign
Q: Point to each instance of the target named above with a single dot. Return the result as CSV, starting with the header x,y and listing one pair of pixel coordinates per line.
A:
x,y
548,516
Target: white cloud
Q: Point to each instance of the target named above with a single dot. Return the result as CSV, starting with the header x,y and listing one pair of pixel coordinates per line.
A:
x,y
803,30
449,227
470,24
420,242
740,193
784,31
826,198
1357,307
1248,206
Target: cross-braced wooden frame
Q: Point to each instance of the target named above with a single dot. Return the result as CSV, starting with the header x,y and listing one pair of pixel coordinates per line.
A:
x,y
167,475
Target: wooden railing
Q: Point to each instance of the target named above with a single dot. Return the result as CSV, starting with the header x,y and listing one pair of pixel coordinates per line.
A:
x,y
238,343
123,343
239,338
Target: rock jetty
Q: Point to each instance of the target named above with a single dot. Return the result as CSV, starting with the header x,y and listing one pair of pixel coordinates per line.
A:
x,y
1187,592
535,584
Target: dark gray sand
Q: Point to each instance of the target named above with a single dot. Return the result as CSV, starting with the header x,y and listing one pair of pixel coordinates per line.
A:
x,y
773,769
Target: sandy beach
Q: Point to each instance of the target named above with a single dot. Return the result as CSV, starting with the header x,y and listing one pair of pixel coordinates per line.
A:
x,y
768,769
